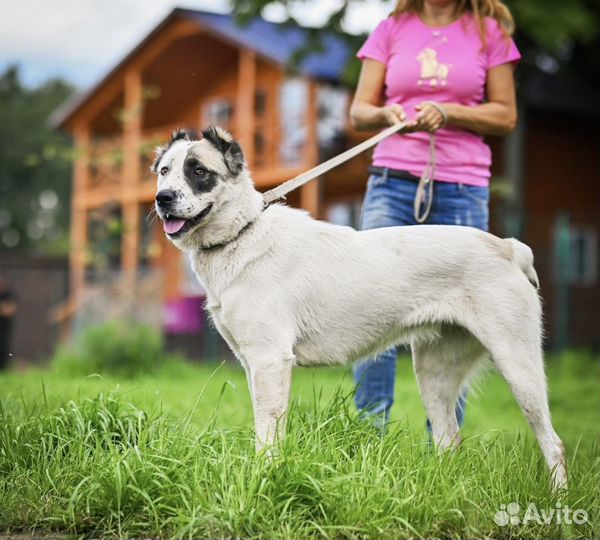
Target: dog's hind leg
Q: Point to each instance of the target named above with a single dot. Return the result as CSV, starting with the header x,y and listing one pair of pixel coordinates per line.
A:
x,y
523,368
442,368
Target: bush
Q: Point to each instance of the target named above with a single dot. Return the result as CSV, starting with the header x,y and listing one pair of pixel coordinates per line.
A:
x,y
120,349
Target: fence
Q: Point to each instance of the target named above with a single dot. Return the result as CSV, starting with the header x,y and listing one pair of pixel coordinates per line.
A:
x,y
39,284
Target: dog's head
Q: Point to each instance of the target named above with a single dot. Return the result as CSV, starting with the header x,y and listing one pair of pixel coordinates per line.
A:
x,y
196,177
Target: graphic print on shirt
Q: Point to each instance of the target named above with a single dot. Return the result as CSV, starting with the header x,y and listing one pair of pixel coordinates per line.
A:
x,y
433,72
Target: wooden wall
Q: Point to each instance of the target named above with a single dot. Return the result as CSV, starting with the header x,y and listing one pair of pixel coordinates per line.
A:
x,y
39,284
563,177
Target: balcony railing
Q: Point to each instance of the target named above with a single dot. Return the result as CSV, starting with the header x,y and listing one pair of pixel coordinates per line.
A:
x,y
105,162
107,157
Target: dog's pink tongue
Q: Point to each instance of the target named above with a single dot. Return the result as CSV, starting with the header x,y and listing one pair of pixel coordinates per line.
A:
x,y
172,226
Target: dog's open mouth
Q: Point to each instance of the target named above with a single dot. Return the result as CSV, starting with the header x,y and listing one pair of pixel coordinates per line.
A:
x,y
175,226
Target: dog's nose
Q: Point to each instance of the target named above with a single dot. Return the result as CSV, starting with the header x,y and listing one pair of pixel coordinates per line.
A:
x,y
165,197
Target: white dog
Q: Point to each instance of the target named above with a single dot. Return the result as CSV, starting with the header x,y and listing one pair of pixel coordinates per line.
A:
x,y
285,290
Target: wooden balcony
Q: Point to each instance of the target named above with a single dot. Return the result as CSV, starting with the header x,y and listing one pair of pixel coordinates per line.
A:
x,y
159,87
105,173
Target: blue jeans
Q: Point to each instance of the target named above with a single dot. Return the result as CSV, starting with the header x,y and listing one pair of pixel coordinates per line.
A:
x,y
389,203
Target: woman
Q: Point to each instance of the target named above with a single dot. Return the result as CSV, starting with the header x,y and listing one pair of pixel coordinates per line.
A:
x,y
446,68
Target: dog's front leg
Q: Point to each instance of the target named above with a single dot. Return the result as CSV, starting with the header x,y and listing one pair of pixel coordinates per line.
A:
x,y
270,380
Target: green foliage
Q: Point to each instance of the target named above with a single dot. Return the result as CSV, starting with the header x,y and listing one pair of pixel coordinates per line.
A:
x,y
35,166
567,31
172,456
554,24
117,348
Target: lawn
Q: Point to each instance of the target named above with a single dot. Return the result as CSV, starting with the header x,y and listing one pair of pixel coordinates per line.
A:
x,y
171,455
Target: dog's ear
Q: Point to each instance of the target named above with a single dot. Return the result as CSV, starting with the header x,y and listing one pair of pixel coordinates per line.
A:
x,y
177,135
224,143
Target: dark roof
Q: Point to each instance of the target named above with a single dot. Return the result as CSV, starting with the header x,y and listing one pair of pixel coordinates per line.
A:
x,y
277,42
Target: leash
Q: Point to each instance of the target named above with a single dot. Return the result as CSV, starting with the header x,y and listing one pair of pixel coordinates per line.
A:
x,y
290,185
428,176
424,188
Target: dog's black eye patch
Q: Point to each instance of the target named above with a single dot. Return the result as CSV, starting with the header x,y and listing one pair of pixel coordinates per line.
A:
x,y
199,178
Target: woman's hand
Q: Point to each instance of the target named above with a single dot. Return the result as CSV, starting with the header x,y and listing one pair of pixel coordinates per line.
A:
x,y
390,115
430,117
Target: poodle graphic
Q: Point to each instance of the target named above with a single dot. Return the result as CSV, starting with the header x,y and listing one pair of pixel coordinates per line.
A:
x,y
433,73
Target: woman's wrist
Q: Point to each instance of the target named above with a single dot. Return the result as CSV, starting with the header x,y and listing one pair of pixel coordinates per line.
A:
x,y
364,116
452,111
380,119
367,117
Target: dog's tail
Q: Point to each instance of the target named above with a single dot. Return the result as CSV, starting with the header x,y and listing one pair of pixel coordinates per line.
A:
x,y
523,257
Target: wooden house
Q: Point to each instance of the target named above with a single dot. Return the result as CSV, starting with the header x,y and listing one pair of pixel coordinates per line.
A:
x,y
198,68
195,69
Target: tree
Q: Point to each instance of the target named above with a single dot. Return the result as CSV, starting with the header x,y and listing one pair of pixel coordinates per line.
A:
x,y
562,34
35,166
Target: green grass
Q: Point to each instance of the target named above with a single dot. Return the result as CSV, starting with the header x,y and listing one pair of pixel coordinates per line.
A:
x,y
171,455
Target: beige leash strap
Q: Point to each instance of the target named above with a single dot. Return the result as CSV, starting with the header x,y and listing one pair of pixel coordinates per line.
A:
x,y
427,178
283,189
425,187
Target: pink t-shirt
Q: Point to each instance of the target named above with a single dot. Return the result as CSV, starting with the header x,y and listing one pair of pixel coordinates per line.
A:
x,y
445,64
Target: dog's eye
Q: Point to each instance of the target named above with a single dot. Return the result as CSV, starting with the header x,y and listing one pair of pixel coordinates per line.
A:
x,y
200,171
164,170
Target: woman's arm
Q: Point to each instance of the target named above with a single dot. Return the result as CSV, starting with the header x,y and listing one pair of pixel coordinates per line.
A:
x,y
366,111
498,116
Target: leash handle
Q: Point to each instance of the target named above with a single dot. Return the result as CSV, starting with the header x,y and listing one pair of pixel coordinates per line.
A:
x,y
283,189
425,186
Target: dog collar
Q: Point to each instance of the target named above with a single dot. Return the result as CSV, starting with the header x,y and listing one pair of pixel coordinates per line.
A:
x,y
223,244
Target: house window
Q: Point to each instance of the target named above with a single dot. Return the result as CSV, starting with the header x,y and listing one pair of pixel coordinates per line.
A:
x,y
332,107
293,103
149,248
261,129
345,213
105,237
260,103
583,259
260,148
219,112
